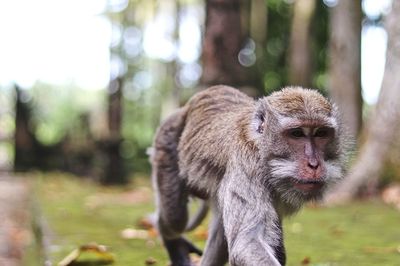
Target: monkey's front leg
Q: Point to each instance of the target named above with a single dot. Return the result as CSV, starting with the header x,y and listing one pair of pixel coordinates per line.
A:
x,y
251,224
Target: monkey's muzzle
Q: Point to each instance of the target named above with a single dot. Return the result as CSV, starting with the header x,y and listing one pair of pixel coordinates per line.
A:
x,y
308,186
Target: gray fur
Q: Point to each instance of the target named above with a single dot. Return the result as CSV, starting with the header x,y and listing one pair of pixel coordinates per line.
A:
x,y
227,148
216,252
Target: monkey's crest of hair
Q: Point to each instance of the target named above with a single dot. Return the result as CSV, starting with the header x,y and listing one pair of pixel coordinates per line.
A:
x,y
294,101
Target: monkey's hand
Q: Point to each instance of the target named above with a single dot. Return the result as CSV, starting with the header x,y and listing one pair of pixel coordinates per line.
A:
x,y
251,223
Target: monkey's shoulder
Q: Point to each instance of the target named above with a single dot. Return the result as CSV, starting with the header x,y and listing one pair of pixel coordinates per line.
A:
x,y
219,98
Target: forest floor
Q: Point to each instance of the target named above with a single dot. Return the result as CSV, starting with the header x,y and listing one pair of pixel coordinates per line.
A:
x,y
78,212
15,229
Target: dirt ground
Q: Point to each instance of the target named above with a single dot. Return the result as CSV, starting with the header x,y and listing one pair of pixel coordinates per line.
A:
x,y
15,230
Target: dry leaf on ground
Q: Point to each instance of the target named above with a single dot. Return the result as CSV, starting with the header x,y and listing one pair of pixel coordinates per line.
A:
x,y
99,250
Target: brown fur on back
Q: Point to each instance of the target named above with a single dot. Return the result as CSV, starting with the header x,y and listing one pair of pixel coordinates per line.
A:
x,y
216,123
212,125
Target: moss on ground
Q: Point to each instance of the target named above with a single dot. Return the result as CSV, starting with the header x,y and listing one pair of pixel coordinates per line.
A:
x,y
79,212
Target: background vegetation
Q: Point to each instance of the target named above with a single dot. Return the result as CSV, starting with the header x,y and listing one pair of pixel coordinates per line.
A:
x,y
161,53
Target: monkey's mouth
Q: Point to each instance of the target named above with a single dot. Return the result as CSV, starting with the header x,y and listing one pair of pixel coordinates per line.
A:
x,y
308,186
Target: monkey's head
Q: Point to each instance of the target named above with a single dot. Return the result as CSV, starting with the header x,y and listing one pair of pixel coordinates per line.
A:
x,y
299,139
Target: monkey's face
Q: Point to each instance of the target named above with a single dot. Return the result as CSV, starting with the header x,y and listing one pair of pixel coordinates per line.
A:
x,y
306,161
299,136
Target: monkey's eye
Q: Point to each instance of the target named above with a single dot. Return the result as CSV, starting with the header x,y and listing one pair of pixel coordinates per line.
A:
x,y
323,132
296,133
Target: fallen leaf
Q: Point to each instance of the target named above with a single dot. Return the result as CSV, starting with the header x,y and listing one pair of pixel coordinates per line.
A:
x,y
130,233
150,261
306,261
71,257
201,233
99,250
146,223
152,232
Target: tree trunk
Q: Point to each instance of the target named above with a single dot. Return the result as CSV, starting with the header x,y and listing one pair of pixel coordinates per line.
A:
x,y
345,62
258,23
258,33
24,140
223,41
384,125
172,99
114,170
300,59
115,108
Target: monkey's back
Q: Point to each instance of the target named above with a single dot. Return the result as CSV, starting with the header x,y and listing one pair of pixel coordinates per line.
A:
x,y
212,125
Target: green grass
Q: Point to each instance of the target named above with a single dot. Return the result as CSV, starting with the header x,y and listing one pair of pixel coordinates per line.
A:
x,y
79,212
362,233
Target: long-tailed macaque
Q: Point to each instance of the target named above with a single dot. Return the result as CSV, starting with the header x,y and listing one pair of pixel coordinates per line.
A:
x,y
255,161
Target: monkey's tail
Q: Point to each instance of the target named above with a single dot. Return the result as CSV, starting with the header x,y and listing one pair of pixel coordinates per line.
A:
x,y
199,216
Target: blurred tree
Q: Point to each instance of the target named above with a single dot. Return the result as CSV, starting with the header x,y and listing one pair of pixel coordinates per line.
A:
x,y
148,75
345,62
258,23
258,34
300,49
115,107
24,139
278,63
121,15
383,126
274,64
173,98
224,38
113,173
29,153
320,33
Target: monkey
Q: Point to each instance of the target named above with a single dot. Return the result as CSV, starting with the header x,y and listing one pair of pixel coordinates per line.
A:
x,y
255,161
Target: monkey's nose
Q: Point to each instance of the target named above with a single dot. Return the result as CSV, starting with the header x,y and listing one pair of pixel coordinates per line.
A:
x,y
313,164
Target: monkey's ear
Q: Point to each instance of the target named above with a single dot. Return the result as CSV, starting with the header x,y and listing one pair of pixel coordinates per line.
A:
x,y
259,118
260,124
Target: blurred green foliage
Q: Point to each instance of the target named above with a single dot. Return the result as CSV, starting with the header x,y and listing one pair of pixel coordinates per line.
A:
x,y
56,110
68,111
274,65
